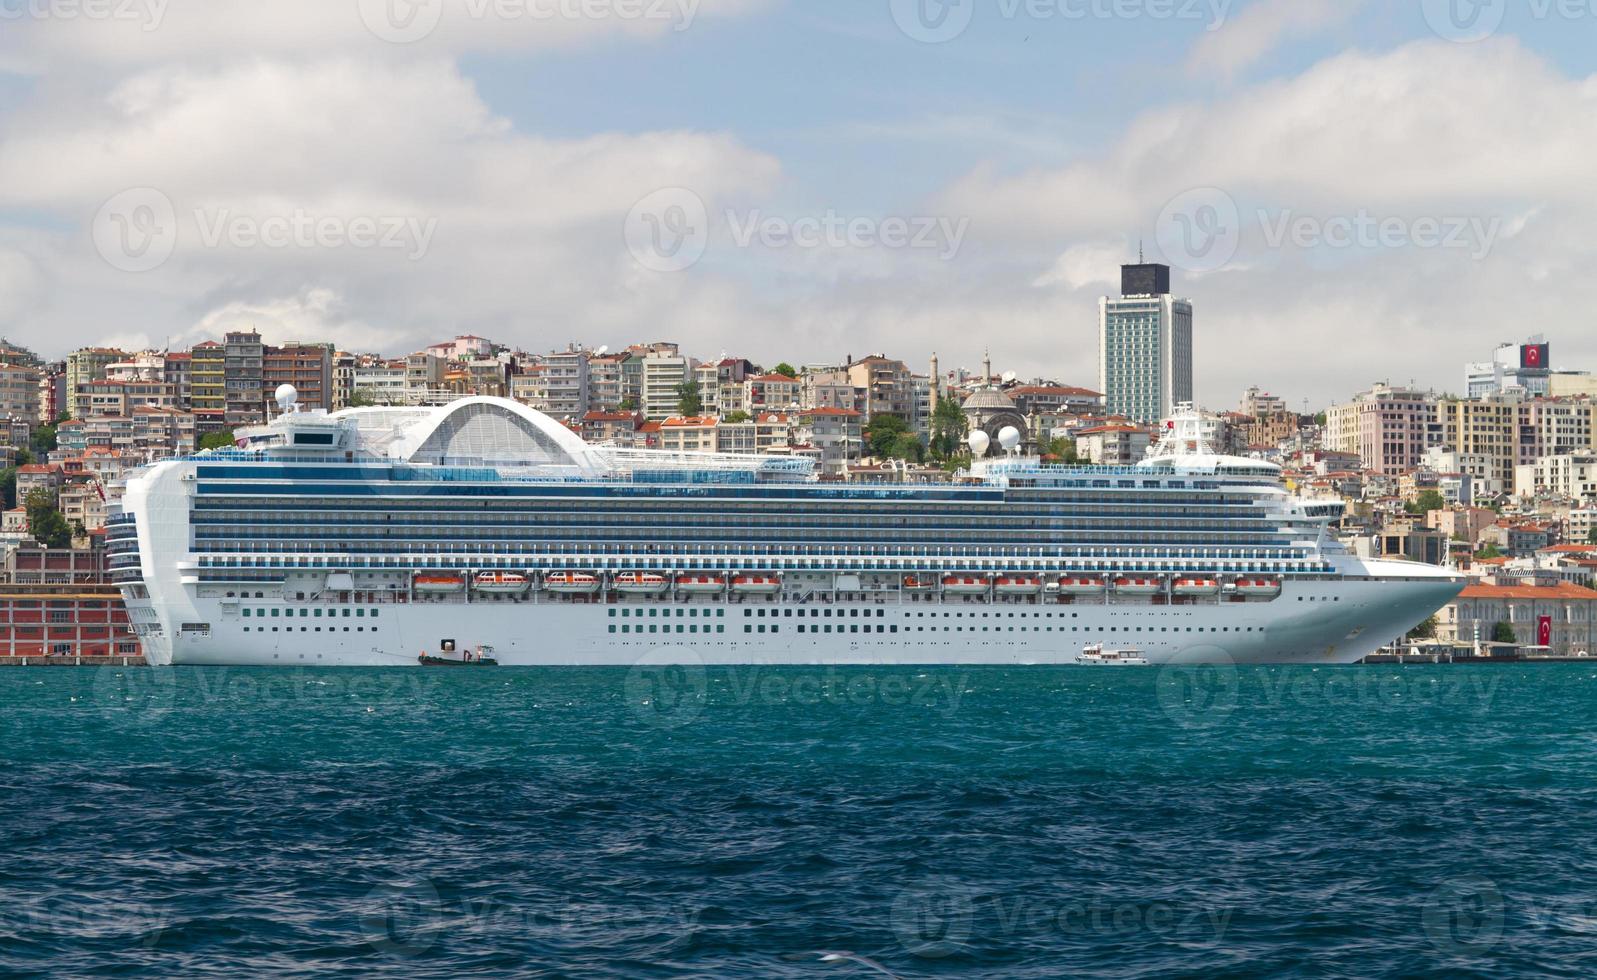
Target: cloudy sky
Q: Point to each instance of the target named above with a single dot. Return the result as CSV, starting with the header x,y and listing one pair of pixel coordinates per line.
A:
x,y
1349,190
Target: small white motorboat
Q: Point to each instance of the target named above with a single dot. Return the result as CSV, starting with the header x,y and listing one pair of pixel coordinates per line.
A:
x,y
1094,655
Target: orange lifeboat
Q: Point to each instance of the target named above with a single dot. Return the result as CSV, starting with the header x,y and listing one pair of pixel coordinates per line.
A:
x,y
1196,587
1259,588
437,583
1138,586
1018,585
502,583
966,585
641,583
914,583
757,584
572,583
1081,586
701,584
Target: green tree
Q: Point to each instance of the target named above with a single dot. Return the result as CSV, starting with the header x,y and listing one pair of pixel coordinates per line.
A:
x,y
628,404
1064,449
45,523
1503,633
949,425
785,370
44,440
907,447
362,398
736,417
1425,630
1591,538
1426,502
1488,550
1319,420
218,440
8,486
690,401
882,434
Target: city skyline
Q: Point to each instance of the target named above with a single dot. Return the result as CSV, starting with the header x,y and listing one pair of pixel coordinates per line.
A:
x,y
989,207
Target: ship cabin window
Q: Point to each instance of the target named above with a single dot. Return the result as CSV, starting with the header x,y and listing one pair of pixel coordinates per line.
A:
x,y
313,438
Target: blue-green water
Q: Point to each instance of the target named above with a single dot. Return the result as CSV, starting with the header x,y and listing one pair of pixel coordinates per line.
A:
x,y
800,822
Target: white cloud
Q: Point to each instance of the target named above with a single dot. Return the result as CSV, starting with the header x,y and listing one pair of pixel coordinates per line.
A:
x,y
1260,28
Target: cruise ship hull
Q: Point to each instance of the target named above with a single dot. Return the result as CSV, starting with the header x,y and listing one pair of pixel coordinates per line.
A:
x,y
1330,622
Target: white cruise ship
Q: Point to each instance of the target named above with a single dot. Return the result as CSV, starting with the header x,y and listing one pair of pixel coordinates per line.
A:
x,y
383,536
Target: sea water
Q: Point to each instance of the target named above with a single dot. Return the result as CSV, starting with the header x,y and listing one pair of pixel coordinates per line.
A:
x,y
800,821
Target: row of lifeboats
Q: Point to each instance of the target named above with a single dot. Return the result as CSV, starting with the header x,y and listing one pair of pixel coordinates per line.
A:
x,y
1026,585
589,583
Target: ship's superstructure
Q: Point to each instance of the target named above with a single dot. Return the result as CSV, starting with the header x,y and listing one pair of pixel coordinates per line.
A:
x,y
377,535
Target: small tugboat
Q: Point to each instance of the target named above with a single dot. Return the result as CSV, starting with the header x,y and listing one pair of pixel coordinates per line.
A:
x,y
483,656
1094,655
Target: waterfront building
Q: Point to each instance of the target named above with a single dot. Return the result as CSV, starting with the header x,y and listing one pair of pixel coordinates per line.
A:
x,y
887,386
1388,427
462,348
1049,399
244,381
1113,444
56,605
85,365
565,383
1527,367
771,392
664,373
308,367
19,392
1560,619
836,435
1571,476
1145,346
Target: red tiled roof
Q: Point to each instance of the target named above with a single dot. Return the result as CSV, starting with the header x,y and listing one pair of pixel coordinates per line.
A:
x,y
831,411
1563,590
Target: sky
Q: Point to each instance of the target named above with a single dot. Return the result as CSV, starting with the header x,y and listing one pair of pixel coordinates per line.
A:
x,y
1349,191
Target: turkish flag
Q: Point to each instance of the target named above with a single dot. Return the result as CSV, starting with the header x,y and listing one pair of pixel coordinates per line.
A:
x,y
1544,631
1535,355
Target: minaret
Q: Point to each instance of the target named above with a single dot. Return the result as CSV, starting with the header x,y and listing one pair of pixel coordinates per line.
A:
x,y
987,367
937,381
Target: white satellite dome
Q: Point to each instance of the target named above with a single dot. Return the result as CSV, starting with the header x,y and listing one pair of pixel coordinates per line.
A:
x,y
286,396
1009,438
979,443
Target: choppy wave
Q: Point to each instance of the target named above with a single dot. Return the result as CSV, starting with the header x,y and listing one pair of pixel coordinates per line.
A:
x,y
799,822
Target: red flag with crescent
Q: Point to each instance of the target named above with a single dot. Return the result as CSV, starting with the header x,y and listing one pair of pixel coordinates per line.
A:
x,y
1544,631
